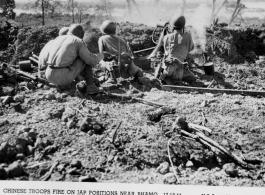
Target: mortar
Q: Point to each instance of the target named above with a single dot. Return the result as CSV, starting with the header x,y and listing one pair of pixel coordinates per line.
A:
x,y
143,63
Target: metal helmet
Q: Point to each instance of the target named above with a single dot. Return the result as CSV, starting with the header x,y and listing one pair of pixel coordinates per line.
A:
x,y
63,31
108,27
91,41
178,21
76,30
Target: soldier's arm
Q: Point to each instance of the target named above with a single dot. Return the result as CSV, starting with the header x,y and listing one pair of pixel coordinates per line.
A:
x,y
165,45
100,45
89,58
191,44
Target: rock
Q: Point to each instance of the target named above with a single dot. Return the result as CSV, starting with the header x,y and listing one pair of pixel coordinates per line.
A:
x,y
231,169
24,128
76,163
243,173
189,164
7,152
21,143
74,153
11,153
56,112
46,87
6,91
30,85
3,173
15,169
197,158
204,103
221,158
30,150
56,177
42,142
50,149
209,94
18,98
85,124
43,169
181,123
209,156
86,179
169,178
20,156
237,102
70,124
73,171
163,168
203,169
68,113
7,100
3,150
40,85
61,167
32,135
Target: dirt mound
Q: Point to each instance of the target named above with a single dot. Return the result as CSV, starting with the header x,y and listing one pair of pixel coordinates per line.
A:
x,y
8,33
138,35
236,45
32,40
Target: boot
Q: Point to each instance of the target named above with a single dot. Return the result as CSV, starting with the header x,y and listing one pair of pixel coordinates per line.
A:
x,y
93,89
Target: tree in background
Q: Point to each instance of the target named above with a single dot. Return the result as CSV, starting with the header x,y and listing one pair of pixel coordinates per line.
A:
x,y
238,7
71,6
216,12
45,6
104,8
80,10
7,7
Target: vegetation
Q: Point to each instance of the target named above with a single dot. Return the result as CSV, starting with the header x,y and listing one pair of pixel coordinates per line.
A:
x,y
7,7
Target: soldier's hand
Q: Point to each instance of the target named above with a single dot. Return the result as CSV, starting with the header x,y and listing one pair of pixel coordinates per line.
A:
x,y
107,56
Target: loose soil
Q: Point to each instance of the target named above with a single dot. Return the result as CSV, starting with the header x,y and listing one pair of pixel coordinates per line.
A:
x,y
105,139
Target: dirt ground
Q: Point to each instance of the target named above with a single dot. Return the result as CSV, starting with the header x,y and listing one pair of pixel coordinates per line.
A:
x,y
49,128
56,135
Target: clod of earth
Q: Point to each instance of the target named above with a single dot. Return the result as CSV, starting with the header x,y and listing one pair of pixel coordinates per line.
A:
x,y
15,169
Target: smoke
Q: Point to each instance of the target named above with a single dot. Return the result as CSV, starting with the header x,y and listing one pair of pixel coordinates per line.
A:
x,y
199,19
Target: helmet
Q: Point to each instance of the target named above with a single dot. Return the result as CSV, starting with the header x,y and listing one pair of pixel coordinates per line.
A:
x,y
76,30
108,27
178,21
91,41
63,31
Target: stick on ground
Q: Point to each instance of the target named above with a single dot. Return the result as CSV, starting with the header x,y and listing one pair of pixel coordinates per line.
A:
x,y
134,98
48,174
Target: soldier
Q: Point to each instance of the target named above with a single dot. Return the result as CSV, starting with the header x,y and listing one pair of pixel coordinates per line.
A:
x,y
67,56
111,43
177,45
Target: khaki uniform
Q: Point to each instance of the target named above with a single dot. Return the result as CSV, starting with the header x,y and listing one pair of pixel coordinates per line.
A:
x,y
65,58
177,46
110,43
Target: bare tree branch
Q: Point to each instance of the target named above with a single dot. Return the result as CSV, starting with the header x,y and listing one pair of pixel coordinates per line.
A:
x,y
238,8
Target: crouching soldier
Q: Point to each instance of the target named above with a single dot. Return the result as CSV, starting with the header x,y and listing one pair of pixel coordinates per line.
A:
x,y
66,57
112,44
177,45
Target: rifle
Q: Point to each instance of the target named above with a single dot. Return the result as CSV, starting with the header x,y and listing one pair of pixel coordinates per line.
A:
x,y
159,44
28,76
